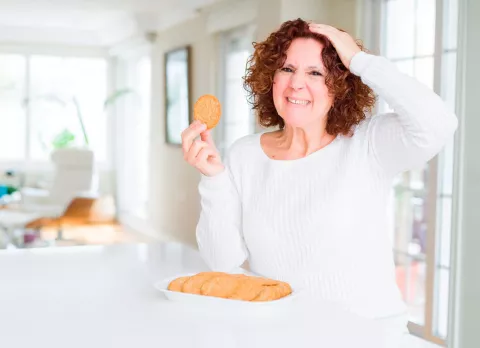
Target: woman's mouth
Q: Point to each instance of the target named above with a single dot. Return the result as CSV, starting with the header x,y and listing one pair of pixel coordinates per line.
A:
x,y
298,101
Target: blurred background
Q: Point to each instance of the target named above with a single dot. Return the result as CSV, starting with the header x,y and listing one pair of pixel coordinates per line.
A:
x,y
94,96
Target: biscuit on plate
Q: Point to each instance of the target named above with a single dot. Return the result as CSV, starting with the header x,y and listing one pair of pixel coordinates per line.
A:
x,y
177,284
194,283
232,286
247,290
219,286
273,292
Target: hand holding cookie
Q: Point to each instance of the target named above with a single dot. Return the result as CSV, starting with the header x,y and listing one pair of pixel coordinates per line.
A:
x,y
202,153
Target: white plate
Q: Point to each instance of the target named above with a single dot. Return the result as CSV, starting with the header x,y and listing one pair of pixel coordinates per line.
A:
x,y
162,286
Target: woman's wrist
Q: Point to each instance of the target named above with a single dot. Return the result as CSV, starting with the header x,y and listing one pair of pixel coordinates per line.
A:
x,y
218,180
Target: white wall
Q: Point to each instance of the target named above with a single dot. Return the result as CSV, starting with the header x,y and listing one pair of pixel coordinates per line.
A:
x,y
342,14
174,200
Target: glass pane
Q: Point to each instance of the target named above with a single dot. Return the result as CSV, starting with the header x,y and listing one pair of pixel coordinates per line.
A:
x,y
449,76
411,275
425,22
410,213
239,119
410,238
424,71
399,24
12,115
178,114
66,92
442,293
450,8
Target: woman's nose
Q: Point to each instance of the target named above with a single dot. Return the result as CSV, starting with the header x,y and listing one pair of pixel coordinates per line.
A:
x,y
297,81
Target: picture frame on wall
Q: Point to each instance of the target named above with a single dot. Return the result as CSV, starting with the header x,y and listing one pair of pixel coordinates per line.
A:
x,y
177,67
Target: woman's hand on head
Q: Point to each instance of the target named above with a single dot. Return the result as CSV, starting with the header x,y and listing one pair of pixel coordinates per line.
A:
x,y
344,44
201,153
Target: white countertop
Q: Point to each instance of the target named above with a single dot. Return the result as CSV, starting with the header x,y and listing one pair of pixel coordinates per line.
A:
x,y
103,296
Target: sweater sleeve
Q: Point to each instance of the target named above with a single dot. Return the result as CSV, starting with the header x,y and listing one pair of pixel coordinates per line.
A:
x,y
219,234
420,125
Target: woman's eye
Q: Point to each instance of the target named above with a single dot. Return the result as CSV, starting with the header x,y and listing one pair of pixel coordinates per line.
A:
x,y
287,70
316,73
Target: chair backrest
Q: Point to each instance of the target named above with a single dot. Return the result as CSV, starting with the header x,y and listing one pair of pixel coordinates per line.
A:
x,y
74,174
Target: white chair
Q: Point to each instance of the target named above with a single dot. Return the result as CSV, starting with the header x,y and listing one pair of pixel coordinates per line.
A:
x,y
74,176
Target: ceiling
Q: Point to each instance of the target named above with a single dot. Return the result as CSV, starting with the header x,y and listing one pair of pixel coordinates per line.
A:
x,y
90,22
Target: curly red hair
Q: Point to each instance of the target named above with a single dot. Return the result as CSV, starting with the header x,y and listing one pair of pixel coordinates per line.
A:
x,y
352,98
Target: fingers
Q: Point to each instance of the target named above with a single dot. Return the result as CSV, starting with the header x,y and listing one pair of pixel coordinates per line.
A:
x,y
189,134
343,43
198,149
195,148
204,154
320,26
200,153
324,29
206,136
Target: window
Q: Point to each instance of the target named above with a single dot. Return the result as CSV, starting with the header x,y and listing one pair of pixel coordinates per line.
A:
x,y
422,199
42,97
238,119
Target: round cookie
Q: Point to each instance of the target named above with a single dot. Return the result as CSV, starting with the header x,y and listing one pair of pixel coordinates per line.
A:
x,y
247,290
207,109
193,284
219,286
269,293
177,284
272,292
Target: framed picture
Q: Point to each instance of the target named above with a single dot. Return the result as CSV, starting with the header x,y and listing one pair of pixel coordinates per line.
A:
x,y
177,94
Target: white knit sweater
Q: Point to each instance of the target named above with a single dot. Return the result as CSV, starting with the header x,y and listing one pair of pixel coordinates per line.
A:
x,y
320,222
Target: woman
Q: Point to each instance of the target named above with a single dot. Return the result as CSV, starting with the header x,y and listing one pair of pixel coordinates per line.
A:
x,y
307,203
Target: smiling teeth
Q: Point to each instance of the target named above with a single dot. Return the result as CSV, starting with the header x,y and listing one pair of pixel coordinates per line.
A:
x,y
301,102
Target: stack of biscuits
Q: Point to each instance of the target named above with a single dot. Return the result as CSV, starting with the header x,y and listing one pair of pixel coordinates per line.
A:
x,y
231,286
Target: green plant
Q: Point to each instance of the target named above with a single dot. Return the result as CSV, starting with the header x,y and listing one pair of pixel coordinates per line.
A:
x,y
65,138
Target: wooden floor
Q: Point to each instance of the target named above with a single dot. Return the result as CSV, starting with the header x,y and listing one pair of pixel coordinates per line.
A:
x,y
103,234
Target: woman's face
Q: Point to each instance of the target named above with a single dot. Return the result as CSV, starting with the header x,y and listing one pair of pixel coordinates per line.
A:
x,y
299,91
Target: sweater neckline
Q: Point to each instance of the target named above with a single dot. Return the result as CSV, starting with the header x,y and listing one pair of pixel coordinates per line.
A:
x,y
317,153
